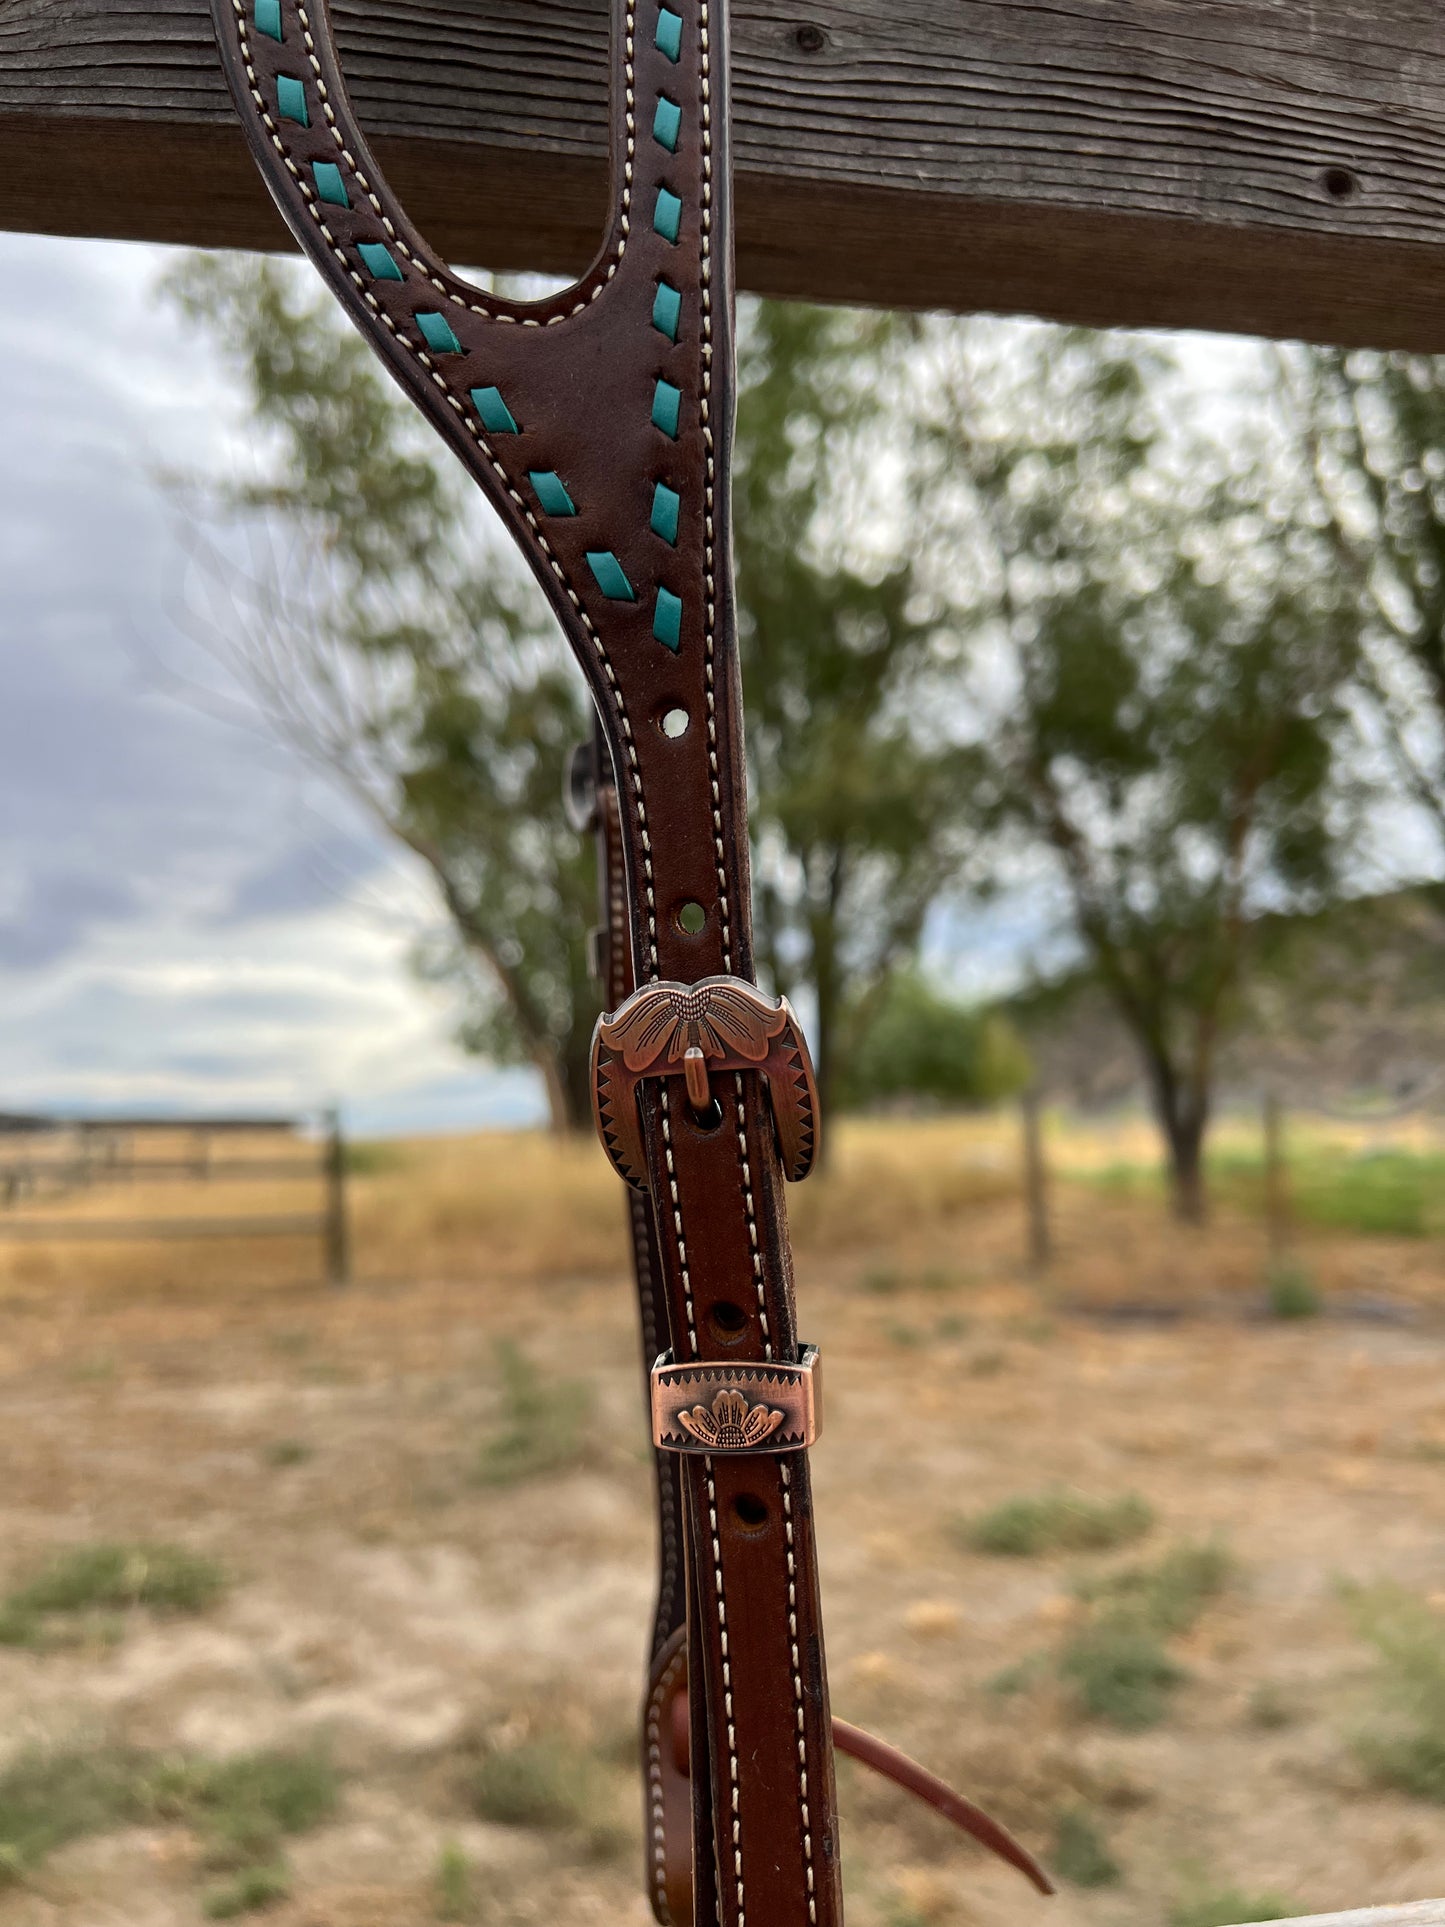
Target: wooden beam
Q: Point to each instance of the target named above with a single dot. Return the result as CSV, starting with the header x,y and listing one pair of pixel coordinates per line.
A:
x,y
1254,165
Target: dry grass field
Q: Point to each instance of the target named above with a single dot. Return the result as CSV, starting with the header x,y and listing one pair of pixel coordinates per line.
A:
x,y
331,1603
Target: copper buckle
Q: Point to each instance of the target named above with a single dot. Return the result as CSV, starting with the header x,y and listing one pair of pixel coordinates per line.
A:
x,y
690,1031
730,1409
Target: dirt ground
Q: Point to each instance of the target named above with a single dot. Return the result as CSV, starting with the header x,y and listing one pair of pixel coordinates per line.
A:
x,y
389,1604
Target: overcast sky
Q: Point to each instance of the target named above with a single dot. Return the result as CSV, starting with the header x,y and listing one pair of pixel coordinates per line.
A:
x,y
188,920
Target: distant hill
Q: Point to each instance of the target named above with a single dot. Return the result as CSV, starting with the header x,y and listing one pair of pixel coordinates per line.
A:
x,y
1341,1007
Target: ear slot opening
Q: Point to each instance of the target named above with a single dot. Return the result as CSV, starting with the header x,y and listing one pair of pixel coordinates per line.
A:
x,y
489,84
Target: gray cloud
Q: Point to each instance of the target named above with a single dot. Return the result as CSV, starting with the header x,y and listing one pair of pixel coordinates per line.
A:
x,y
186,915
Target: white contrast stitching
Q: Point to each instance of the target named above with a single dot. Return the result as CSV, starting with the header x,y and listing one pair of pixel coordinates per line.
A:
x,y
734,1773
799,1707
310,199
634,770
667,1504
752,1216
661,1698
676,1200
727,1673
608,268
710,624
709,495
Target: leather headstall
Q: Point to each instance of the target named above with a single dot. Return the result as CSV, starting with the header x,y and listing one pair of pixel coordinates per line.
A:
x,y
598,423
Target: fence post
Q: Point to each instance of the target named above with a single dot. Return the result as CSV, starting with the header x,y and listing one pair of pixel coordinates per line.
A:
x,y
336,1230
1276,1178
1036,1181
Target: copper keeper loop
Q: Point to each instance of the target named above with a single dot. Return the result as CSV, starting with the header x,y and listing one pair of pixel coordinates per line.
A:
x,y
730,1410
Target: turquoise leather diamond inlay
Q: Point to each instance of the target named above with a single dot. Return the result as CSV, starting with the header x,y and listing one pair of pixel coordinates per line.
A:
x,y
550,493
268,18
607,571
666,408
667,123
291,100
667,215
669,33
667,620
329,184
667,310
666,509
495,414
437,333
380,261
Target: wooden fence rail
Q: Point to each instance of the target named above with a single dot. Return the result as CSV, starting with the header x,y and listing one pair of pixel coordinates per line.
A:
x,y
1238,164
27,1179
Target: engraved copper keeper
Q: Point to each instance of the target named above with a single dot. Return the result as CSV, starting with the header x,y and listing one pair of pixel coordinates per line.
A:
x,y
737,1408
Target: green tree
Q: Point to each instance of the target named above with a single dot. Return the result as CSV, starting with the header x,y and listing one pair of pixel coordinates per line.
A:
x,y
1161,652
1373,429
918,1043
360,600
397,644
863,804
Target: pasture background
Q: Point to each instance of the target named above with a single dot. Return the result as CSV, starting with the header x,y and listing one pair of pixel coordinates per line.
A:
x,y
427,1505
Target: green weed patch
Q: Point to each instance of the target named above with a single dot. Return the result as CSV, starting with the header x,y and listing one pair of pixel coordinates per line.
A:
x,y
1058,1521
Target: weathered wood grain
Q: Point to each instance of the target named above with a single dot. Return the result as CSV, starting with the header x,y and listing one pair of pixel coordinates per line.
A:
x,y
1258,165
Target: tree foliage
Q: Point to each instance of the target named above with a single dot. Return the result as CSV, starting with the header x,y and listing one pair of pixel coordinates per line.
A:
x,y
1373,429
398,644
862,806
1161,646
917,1044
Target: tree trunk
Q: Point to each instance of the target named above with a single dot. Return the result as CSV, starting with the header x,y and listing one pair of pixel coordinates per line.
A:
x,y
1036,1197
1276,1179
567,1074
824,1052
559,1107
1186,1170
1183,1116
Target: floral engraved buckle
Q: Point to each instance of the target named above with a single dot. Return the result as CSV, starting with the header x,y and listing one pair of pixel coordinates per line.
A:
x,y
690,1031
737,1408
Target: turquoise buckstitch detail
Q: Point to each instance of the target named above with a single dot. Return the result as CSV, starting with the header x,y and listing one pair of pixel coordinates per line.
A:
x,y
608,574
667,215
551,492
291,100
437,333
496,417
666,512
329,184
379,261
666,408
667,123
668,36
667,620
268,18
667,310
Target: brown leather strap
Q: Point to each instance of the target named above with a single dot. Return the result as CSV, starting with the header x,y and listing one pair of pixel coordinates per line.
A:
x,y
964,1814
598,422
667,1728
665,1717
667,1792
